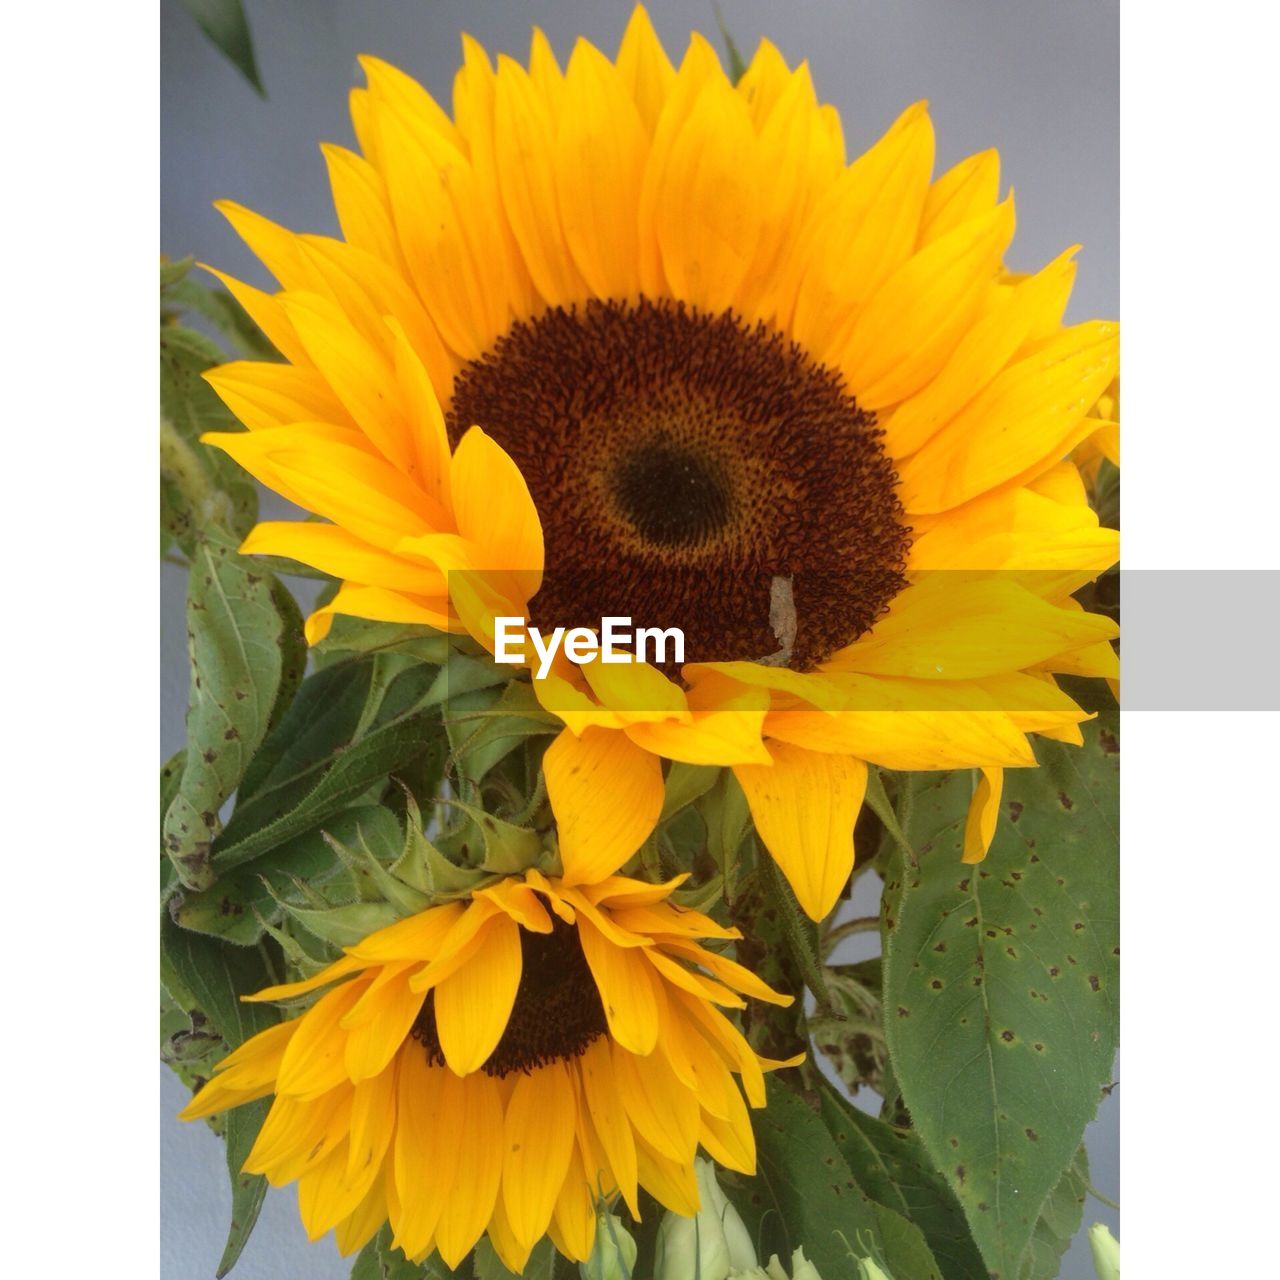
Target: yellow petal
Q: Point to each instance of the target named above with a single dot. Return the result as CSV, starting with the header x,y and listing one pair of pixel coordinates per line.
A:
x,y
628,989
525,147
609,1121
573,1223
380,605
804,806
861,231
606,794
963,624
984,809
663,1111
915,319
376,1038
1025,417
473,1004
707,214
360,199
263,394
334,551
313,1062
644,67
672,1183
965,191
480,1128
981,354
425,1157
538,1141
600,157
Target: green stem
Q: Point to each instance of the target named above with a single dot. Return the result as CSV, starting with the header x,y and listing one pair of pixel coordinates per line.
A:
x,y
878,801
834,937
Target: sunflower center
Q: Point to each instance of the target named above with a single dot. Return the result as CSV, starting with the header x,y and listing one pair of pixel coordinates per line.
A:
x,y
682,464
557,1011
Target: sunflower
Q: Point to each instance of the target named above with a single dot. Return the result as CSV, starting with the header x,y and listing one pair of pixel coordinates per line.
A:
x,y
626,339
499,1064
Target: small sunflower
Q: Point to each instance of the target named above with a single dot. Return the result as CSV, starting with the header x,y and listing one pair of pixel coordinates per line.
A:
x,y
626,339
499,1064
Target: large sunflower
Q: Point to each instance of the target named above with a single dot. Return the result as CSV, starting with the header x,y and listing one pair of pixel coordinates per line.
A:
x,y
501,1063
629,340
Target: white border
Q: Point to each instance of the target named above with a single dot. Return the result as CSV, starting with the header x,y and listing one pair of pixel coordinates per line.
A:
x,y
1201,880
80,235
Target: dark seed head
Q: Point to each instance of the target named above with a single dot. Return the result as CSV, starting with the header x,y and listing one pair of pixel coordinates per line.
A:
x,y
680,462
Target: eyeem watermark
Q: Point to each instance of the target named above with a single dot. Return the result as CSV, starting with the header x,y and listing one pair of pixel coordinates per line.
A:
x,y
615,643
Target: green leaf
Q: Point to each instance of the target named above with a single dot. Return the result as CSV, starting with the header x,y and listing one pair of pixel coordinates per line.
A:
x,y
199,486
352,636
484,736
685,783
804,1193
225,23
345,925
892,1167
248,1190
737,68
243,664
1001,980
205,978
1059,1221
236,907
348,728
365,762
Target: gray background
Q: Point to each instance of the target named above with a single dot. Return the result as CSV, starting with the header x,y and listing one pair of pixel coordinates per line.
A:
x,y
1036,78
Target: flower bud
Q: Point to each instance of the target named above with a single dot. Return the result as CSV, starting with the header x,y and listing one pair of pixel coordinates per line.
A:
x,y
1106,1252
711,1246
801,1269
613,1256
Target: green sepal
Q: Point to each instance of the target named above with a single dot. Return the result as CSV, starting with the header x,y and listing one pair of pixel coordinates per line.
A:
x,y
341,926
508,849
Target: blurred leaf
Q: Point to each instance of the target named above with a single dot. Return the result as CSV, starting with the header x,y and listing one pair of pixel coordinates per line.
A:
x,y
248,1190
1001,981
541,1265
225,23
892,1167
1059,1221
736,66
853,1036
216,305
243,652
200,487
378,1260
804,1193
205,978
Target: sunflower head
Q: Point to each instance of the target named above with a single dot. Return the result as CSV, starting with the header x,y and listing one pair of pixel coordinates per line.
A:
x,y
626,338
501,1063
